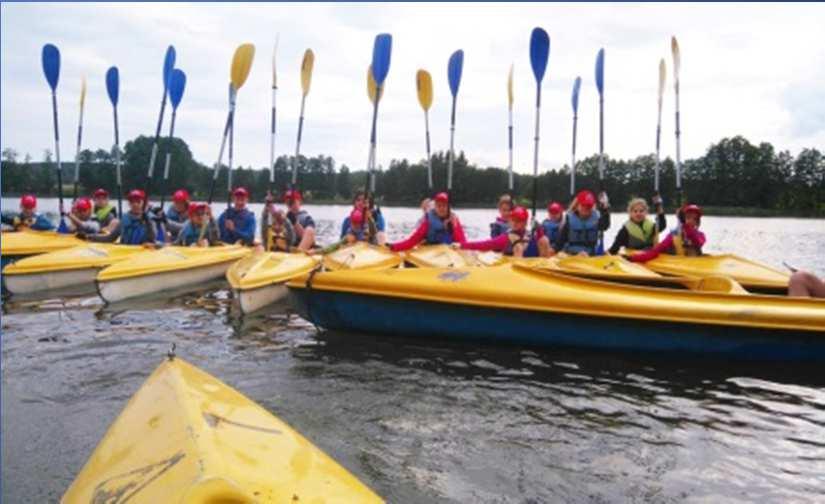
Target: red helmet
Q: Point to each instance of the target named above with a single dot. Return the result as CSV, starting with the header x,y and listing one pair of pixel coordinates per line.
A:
x,y
136,195
586,199
180,196
240,192
520,214
292,194
83,205
28,201
101,193
555,208
442,197
356,217
692,209
196,207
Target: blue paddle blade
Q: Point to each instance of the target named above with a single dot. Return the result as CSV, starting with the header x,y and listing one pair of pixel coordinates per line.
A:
x,y
539,52
576,86
113,85
177,83
168,65
600,71
454,68
51,64
381,51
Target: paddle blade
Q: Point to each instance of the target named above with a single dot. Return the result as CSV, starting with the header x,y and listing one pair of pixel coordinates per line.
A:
x,y
677,58
241,64
510,87
306,70
168,65
424,87
51,64
539,52
177,83
575,99
372,87
381,51
113,85
600,71
454,69
662,71
82,93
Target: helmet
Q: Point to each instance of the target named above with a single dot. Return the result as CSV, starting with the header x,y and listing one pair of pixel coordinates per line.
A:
x,y
83,205
240,192
180,196
196,207
689,208
555,208
136,195
586,199
520,214
101,193
292,194
28,201
356,217
442,197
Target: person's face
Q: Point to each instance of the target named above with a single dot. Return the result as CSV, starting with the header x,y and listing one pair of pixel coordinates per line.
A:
x,y
84,214
692,219
294,205
518,225
180,206
197,217
101,201
360,202
555,217
442,209
136,206
27,212
240,202
638,214
504,210
585,211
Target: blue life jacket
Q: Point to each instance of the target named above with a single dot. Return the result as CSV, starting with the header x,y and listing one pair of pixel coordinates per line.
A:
x,y
189,234
173,215
132,230
551,230
244,221
583,235
302,218
499,227
438,231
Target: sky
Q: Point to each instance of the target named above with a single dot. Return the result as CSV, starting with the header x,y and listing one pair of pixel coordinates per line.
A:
x,y
756,70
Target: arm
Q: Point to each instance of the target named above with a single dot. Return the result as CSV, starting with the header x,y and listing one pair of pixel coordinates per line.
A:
x,y
498,244
661,222
89,227
619,242
149,226
106,238
41,223
561,239
695,236
604,219
653,253
212,233
458,231
246,231
414,239
179,240
174,226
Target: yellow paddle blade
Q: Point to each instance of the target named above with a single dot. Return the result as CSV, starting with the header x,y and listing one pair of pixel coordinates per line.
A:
x,y
241,63
306,70
662,70
82,93
510,87
424,86
371,86
674,46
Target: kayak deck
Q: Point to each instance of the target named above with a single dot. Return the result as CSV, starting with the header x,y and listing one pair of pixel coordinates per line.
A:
x,y
751,274
28,242
265,268
361,256
90,255
171,259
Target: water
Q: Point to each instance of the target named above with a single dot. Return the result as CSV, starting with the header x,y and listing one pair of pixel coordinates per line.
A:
x,y
429,421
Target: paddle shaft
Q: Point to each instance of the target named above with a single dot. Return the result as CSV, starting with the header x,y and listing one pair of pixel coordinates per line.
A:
x,y
678,145
600,245
510,149
217,169
298,142
658,137
536,148
272,139
150,172
231,157
77,154
168,160
373,141
57,153
573,157
452,149
118,176
429,156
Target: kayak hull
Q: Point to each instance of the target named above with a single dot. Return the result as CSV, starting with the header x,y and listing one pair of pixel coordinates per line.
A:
x,y
39,282
446,321
252,300
114,291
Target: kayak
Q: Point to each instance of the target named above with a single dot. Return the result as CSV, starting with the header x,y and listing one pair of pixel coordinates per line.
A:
x,y
519,304
73,267
751,274
361,256
185,436
439,256
260,278
18,244
169,268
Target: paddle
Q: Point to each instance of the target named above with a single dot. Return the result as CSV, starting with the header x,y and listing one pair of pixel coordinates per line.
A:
x,y
241,63
168,66
381,52
306,79
79,137
600,87
674,47
577,84
662,71
51,68
113,90
177,83
454,69
424,88
272,125
510,130
539,55
373,95
232,100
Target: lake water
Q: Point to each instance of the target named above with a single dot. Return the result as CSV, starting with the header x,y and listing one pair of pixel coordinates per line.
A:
x,y
427,421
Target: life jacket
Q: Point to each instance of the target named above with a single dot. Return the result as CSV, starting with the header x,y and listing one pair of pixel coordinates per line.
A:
x,y
515,238
583,235
302,218
641,236
189,234
132,230
174,215
499,227
551,229
101,215
276,238
681,245
438,231
21,222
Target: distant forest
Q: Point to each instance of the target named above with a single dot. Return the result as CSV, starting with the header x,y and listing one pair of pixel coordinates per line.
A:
x,y
733,176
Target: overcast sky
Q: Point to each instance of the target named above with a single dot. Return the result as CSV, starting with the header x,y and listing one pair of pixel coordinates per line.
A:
x,y
755,70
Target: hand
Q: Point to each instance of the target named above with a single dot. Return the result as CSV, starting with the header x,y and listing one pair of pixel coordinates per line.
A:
x,y
583,253
455,245
269,198
80,235
604,201
148,245
230,224
203,242
657,200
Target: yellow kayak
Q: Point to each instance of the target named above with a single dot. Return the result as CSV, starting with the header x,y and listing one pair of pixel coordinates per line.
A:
x,y
259,279
166,269
439,256
28,242
73,267
525,305
187,437
361,256
751,274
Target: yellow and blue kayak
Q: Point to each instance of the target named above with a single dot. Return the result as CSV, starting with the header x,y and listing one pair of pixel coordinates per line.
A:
x,y
361,256
260,279
752,275
187,437
521,304
444,256
18,244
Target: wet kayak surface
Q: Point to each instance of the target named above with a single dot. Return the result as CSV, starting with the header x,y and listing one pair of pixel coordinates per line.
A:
x,y
423,420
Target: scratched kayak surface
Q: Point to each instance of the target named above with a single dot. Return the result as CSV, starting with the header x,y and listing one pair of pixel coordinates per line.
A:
x,y
425,421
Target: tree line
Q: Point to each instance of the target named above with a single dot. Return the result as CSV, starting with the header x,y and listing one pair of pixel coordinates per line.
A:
x,y
732,174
